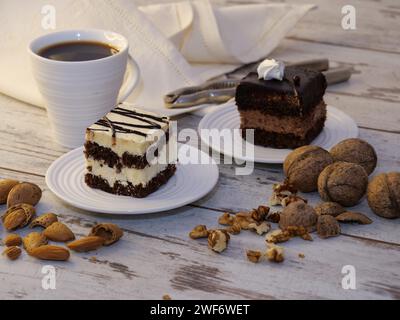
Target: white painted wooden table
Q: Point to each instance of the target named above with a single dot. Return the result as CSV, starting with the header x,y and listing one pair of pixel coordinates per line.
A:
x,y
156,257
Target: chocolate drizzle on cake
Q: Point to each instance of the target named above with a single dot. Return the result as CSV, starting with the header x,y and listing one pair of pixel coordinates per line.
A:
x,y
150,122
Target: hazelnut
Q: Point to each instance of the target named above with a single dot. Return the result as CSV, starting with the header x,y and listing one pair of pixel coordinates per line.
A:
x,y
303,165
218,240
298,214
355,151
343,182
384,195
327,226
329,208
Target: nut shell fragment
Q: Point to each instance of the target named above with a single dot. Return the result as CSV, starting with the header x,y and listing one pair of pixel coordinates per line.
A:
x,y
109,231
327,226
5,187
353,217
18,216
24,192
44,220
34,240
329,208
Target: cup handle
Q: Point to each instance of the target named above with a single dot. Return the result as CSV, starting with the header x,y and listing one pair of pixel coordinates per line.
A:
x,y
132,76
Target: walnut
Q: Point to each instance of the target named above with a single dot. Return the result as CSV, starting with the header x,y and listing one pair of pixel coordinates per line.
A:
x,y
303,165
343,182
234,229
244,219
254,256
329,208
355,217
278,236
261,228
274,253
298,214
198,232
218,240
355,151
327,226
226,219
384,195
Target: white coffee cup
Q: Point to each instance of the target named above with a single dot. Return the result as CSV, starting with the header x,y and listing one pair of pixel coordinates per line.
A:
x,y
78,93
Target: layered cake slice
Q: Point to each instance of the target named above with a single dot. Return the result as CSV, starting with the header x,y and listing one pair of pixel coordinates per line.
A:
x,y
284,106
127,152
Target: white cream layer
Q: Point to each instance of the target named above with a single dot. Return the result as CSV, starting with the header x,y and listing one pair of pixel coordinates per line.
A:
x,y
134,176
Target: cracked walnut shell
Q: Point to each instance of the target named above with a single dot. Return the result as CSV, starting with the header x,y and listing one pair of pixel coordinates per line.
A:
x,y
298,214
329,208
303,165
327,226
343,182
384,195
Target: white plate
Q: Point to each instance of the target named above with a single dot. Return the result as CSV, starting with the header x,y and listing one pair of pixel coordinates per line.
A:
x,y
65,178
338,126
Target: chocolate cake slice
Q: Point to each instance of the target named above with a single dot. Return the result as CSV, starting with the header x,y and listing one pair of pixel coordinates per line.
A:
x,y
286,113
116,151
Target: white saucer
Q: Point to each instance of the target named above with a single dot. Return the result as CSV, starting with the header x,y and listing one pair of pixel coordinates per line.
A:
x,y
338,126
65,178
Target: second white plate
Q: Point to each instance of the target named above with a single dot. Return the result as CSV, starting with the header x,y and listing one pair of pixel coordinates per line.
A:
x,y
65,178
338,126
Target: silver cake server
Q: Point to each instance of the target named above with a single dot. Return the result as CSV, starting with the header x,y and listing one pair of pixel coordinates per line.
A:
x,y
219,91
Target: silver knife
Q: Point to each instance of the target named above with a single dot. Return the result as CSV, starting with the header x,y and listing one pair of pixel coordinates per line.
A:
x,y
220,91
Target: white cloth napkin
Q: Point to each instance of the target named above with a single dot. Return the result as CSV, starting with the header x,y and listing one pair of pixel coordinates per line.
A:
x,y
175,44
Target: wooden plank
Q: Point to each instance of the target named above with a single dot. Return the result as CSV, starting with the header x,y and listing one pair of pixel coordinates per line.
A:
x,y
155,257
377,24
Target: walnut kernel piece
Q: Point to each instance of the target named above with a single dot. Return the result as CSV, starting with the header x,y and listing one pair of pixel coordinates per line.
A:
x,y
226,219
234,229
254,256
198,232
273,217
244,219
355,151
303,166
166,297
302,255
299,231
261,228
280,192
260,213
277,236
329,208
274,253
356,217
218,240
327,227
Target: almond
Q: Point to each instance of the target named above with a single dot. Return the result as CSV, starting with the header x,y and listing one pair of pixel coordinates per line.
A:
x,y
12,253
25,192
34,240
58,231
18,216
50,252
86,244
5,187
109,231
44,220
12,240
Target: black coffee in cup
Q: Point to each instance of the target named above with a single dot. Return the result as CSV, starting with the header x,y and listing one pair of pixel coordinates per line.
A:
x,y
77,51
